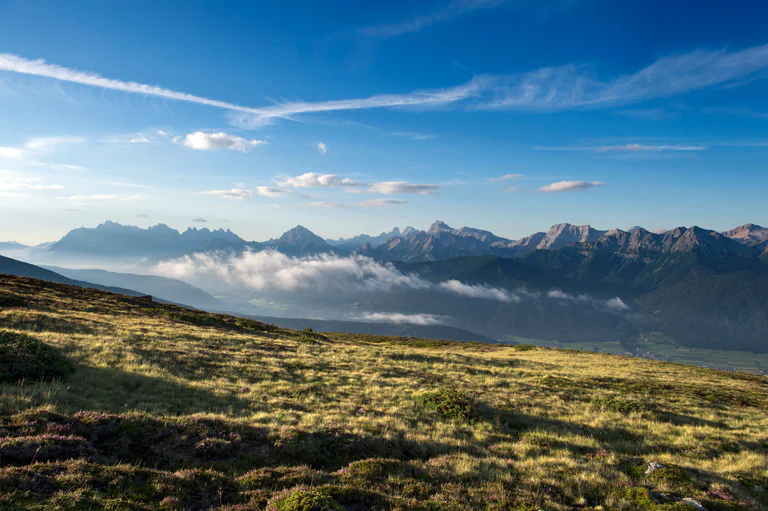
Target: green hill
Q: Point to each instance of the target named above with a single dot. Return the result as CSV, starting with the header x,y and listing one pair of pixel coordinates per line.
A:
x,y
162,407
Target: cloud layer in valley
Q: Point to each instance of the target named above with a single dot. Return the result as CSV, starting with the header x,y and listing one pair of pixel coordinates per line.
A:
x,y
273,271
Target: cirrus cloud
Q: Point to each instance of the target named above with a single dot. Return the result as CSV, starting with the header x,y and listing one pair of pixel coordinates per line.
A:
x,y
382,202
399,187
233,194
569,186
266,191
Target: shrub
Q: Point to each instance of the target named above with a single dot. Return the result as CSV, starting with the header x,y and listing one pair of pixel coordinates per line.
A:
x,y
303,499
450,404
9,301
616,404
524,347
25,358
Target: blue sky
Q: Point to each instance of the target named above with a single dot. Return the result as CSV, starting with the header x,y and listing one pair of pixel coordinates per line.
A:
x,y
347,118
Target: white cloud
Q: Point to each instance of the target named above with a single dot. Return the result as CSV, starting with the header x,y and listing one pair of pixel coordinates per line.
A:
x,y
63,167
412,135
315,180
10,181
478,291
398,318
233,194
272,270
11,152
617,304
416,23
505,177
215,141
127,185
382,202
322,148
569,186
544,90
266,191
397,187
653,148
43,143
326,205
614,304
106,197
632,148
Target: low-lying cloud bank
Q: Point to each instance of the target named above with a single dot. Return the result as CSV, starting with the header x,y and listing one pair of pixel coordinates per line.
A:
x,y
270,270
273,271
614,304
399,319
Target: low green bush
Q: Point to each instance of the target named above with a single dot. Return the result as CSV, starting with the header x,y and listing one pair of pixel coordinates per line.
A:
x,y
450,404
25,358
616,404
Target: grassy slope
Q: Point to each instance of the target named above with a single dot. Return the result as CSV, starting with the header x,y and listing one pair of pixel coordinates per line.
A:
x,y
176,409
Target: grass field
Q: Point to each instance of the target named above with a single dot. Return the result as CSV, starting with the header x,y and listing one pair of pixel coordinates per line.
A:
x,y
168,408
659,346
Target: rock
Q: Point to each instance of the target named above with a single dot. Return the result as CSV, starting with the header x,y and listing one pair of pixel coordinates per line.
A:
x,y
695,504
653,467
758,489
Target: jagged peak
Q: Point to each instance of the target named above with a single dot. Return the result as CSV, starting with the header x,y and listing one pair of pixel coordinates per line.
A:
x,y
409,230
439,226
299,233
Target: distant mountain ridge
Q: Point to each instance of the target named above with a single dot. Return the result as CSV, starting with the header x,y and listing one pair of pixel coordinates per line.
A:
x,y
439,242
112,239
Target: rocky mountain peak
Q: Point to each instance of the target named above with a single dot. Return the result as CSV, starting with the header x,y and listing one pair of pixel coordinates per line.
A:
x,y
439,226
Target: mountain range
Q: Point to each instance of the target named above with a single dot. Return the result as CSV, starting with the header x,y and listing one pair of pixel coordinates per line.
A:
x,y
699,287
439,242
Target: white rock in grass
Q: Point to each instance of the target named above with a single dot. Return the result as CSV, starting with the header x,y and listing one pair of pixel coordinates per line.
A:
x,y
695,504
653,467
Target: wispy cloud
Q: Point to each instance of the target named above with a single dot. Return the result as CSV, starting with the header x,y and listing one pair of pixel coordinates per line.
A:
x,y
62,167
11,181
127,185
414,24
233,194
106,197
543,90
214,141
43,143
742,112
398,187
399,318
382,202
266,191
412,135
650,114
569,186
200,220
332,205
505,177
11,152
322,148
626,148
479,291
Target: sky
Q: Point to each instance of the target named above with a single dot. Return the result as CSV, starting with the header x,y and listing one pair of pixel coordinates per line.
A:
x,y
349,118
